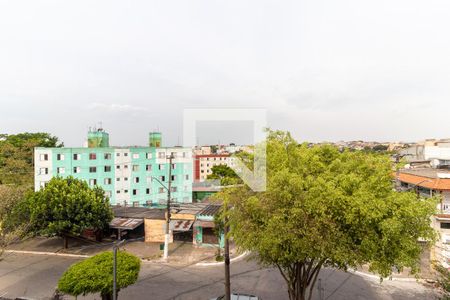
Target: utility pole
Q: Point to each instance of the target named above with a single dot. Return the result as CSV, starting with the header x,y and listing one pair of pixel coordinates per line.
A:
x,y
115,248
227,261
169,187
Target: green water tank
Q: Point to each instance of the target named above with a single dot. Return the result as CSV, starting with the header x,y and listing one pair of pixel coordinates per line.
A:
x,y
155,139
98,138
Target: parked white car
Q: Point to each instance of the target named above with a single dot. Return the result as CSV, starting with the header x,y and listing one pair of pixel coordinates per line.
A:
x,y
239,297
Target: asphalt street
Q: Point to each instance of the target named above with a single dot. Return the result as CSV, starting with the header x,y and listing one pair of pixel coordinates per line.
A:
x,y
36,276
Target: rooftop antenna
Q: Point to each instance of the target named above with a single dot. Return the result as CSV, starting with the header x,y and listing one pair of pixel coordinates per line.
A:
x,y
101,125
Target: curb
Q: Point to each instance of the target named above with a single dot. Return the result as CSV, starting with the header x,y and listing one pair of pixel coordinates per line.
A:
x,y
221,263
47,253
372,276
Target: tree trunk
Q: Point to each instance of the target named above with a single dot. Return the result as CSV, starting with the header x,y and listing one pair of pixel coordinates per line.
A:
x,y
66,242
107,296
301,278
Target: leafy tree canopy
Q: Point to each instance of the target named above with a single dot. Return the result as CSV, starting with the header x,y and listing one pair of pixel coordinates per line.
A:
x,y
95,274
225,174
10,198
323,207
66,206
16,155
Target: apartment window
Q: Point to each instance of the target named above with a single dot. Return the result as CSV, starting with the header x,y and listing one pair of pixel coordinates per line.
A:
x,y
161,167
148,155
185,188
445,225
135,155
202,171
59,156
125,179
118,154
125,166
60,170
184,154
43,171
107,156
135,203
125,191
92,181
136,179
135,192
173,177
108,194
173,154
118,179
135,168
43,157
174,189
161,190
147,191
118,167
125,154
76,156
148,202
149,180
118,192
186,176
43,184
92,169
148,168
76,170
174,166
162,178
107,168
161,154
92,156
108,181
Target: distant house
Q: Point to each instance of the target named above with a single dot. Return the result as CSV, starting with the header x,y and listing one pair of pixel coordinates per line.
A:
x,y
428,182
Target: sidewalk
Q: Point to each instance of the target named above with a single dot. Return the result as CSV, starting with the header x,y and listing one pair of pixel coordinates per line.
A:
x,y
180,253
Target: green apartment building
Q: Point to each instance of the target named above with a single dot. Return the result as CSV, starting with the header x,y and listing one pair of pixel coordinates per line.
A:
x,y
133,176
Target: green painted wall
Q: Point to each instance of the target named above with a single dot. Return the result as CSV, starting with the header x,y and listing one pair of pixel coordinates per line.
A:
x,y
63,160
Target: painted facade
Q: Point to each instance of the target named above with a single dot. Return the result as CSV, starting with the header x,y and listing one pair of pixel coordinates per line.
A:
x,y
129,175
203,164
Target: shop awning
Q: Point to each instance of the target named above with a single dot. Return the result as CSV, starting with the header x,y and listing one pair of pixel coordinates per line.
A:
x,y
181,225
125,223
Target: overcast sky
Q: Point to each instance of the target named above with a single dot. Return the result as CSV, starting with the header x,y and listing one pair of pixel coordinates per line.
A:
x,y
324,70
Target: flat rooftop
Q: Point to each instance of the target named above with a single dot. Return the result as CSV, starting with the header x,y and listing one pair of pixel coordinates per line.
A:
x,y
428,172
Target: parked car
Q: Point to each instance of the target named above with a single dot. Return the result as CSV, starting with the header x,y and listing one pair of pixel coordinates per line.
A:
x,y
235,296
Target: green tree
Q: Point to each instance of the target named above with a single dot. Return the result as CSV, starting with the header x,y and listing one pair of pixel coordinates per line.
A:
x,y
95,275
322,208
443,280
10,197
225,174
66,206
16,155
